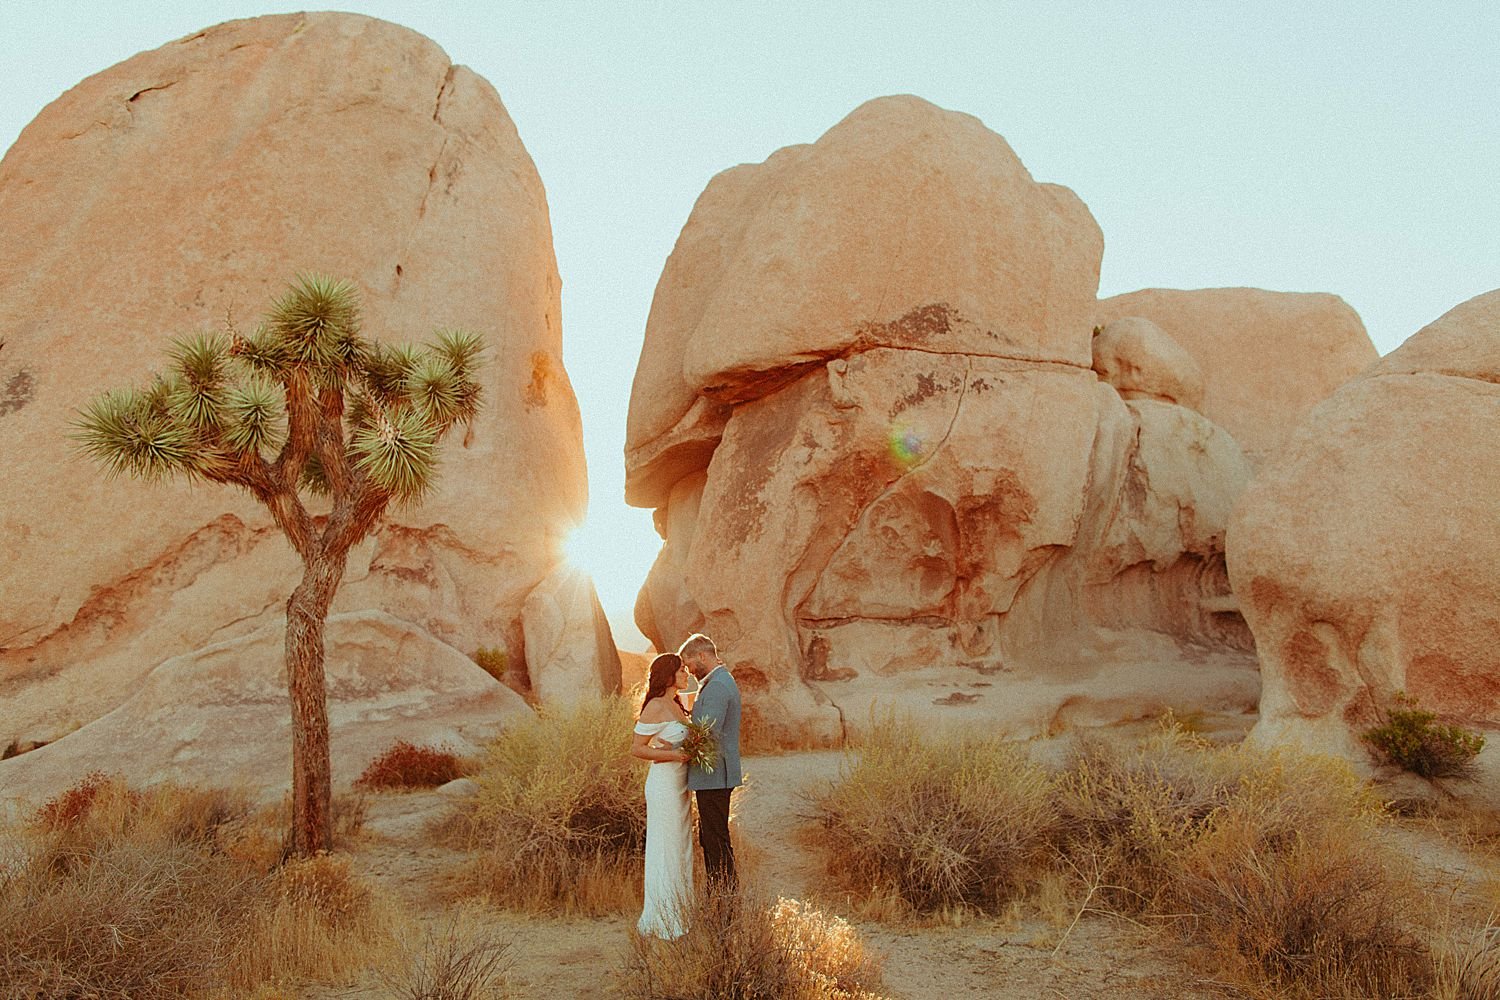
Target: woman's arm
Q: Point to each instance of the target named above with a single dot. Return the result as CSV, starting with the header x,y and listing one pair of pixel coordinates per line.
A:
x,y
641,747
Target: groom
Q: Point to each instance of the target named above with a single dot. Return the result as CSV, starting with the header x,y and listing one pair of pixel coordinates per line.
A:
x,y
718,704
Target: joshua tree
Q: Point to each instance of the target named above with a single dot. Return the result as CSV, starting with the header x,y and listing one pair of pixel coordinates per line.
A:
x,y
304,405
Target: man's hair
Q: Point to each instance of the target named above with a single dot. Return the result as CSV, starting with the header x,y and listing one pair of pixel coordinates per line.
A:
x,y
696,643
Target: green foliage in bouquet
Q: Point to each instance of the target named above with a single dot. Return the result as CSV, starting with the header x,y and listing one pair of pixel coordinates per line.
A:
x,y
1414,740
700,746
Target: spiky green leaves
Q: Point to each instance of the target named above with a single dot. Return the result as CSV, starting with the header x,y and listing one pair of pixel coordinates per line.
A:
x,y
197,390
225,400
386,371
130,431
254,409
316,324
398,452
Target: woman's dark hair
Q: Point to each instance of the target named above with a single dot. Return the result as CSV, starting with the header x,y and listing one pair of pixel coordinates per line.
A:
x,y
662,675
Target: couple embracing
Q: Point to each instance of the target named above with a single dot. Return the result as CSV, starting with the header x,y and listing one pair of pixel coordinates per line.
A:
x,y
691,685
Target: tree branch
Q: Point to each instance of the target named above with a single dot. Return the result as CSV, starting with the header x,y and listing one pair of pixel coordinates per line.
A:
x,y
267,485
355,515
329,442
302,428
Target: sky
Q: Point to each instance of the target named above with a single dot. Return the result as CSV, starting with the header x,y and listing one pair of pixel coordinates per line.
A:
x,y
1351,148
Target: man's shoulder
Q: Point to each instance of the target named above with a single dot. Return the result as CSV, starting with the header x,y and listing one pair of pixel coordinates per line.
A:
x,y
721,677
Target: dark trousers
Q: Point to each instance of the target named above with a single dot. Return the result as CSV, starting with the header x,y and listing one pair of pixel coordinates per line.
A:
x,y
713,834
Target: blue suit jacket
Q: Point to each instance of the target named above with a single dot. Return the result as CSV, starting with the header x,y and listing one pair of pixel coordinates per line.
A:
x,y
719,704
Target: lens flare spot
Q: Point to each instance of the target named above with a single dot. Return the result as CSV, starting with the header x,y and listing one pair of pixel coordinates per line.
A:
x,y
907,445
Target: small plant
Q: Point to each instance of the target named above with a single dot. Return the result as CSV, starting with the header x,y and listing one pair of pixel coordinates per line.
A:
x,y
494,661
324,884
740,948
406,765
72,806
1412,739
452,961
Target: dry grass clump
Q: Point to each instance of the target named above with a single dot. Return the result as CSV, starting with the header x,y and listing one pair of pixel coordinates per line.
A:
x,y
740,948
1129,815
406,765
124,922
1469,970
313,920
454,960
560,817
1273,859
962,823
118,893
1275,863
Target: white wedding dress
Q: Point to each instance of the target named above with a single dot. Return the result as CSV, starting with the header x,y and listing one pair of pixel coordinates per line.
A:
x,y
669,847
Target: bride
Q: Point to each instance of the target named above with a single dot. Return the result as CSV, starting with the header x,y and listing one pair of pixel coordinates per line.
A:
x,y
659,731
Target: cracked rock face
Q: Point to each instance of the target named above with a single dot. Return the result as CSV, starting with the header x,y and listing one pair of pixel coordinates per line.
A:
x,y
884,467
1365,553
192,182
1266,358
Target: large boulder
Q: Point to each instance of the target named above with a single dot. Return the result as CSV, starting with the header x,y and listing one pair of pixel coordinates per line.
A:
x,y
1141,361
885,468
568,641
1266,357
904,226
1366,554
188,184
220,713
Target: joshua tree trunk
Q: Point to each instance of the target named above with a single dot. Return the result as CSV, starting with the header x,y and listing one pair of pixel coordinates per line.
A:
x,y
306,613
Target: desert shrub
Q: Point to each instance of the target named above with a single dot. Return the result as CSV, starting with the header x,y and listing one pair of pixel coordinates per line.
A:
x,y
128,922
1412,739
560,816
405,765
964,822
453,960
70,806
100,812
494,661
324,884
1305,897
1272,859
313,921
740,948
141,894
1127,816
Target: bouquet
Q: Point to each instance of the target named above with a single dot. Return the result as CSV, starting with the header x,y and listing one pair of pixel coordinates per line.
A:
x,y
700,746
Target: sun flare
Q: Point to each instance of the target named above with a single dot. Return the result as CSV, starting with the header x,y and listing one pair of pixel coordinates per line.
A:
x,y
616,554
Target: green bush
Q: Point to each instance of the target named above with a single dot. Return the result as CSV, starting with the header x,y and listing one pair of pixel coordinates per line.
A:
x,y
1414,740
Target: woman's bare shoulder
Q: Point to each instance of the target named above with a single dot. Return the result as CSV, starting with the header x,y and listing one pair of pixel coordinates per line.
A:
x,y
656,710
